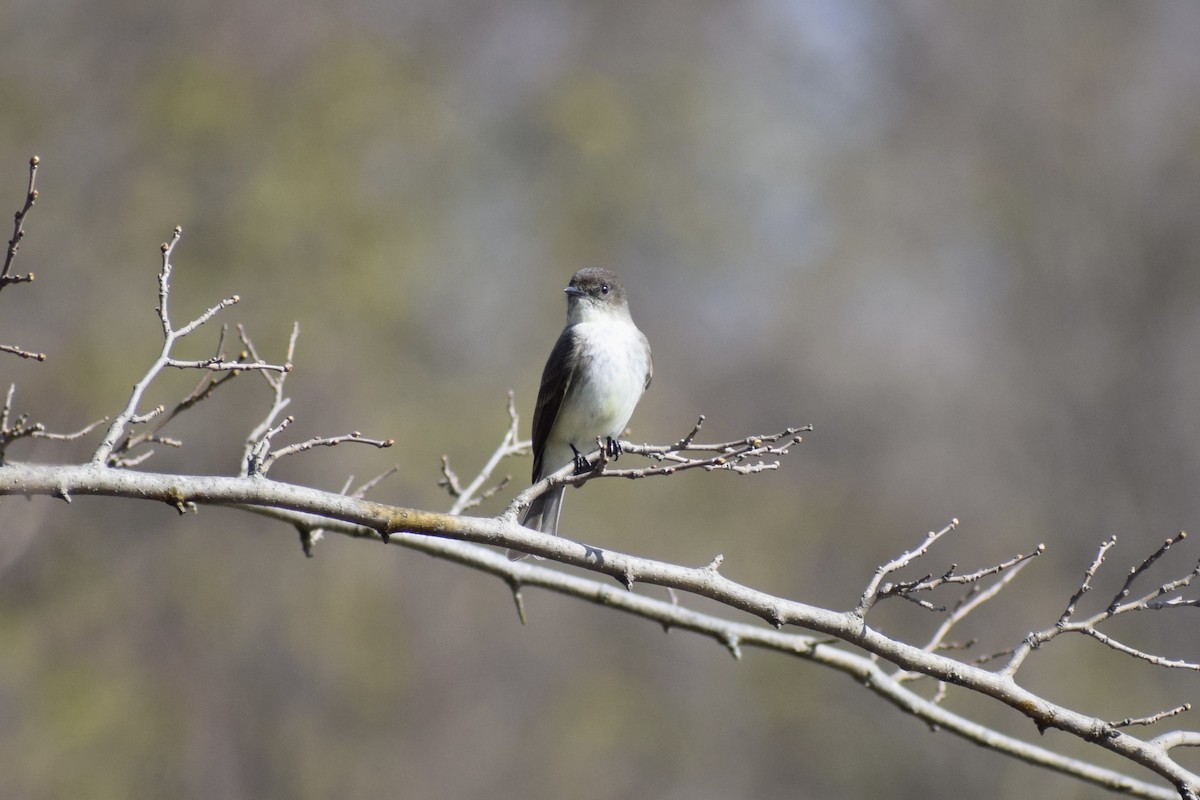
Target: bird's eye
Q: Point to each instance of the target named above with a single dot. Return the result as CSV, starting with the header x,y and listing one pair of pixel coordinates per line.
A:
x,y
604,288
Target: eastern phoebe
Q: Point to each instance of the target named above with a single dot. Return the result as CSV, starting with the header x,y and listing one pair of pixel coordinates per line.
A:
x,y
593,380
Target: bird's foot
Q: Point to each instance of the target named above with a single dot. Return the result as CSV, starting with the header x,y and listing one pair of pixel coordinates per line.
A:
x,y
613,448
581,463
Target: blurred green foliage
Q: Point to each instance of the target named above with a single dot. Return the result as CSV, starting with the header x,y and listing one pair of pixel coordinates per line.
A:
x,y
958,239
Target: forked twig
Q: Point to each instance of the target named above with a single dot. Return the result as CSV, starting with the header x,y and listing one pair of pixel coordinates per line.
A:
x,y
1117,606
118,440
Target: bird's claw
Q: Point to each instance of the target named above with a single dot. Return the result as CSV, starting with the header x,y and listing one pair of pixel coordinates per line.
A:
x,y
613,448
581,462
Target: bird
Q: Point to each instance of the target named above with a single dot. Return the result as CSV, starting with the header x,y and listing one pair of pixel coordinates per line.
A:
x,y
596,373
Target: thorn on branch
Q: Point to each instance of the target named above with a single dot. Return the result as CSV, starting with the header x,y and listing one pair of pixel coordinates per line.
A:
x,y
774,617
179,502
308,537
733,644
625,578
518,601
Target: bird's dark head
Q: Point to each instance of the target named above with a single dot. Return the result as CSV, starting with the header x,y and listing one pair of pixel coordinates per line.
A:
x,y
593,290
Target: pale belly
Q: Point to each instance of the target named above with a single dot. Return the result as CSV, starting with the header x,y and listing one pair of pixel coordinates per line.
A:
x,y
602,401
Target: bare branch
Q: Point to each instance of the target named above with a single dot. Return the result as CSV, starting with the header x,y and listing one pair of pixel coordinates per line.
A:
x,y
13,349
1086,585
203,390
456,538
906,589
264,463
258,440
730,456
1141,568
311,534
14,244
1110,642
871,595
362,490
973,599
118,440
470,496
70,437
1090,626
686,441
1153,718
1169,741
842,640
21,428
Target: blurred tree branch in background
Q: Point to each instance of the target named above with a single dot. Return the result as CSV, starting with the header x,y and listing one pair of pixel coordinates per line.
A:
x,y
844,640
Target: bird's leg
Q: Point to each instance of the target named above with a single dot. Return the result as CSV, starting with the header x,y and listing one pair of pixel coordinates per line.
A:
x,y
613,448
581,464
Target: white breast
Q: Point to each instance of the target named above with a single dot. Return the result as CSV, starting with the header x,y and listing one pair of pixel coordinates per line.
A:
x,y
606,391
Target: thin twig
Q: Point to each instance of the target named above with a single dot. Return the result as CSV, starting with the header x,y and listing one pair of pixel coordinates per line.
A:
x,y
362,490
1153,718
1141,568
950,576
1090,626
870,595
729,456
257,441
21,428
14,244
15,350
117,442
473,494
262,464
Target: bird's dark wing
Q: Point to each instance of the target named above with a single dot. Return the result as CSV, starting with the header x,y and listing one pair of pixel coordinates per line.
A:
x,y
556,382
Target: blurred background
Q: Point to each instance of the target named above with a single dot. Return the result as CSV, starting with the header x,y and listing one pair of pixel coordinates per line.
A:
x,y
960,239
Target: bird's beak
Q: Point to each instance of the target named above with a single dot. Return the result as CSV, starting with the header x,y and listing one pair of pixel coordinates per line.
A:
x,y
574,292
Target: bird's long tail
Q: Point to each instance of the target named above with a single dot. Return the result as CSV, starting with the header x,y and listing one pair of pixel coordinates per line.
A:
x,y
542,516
